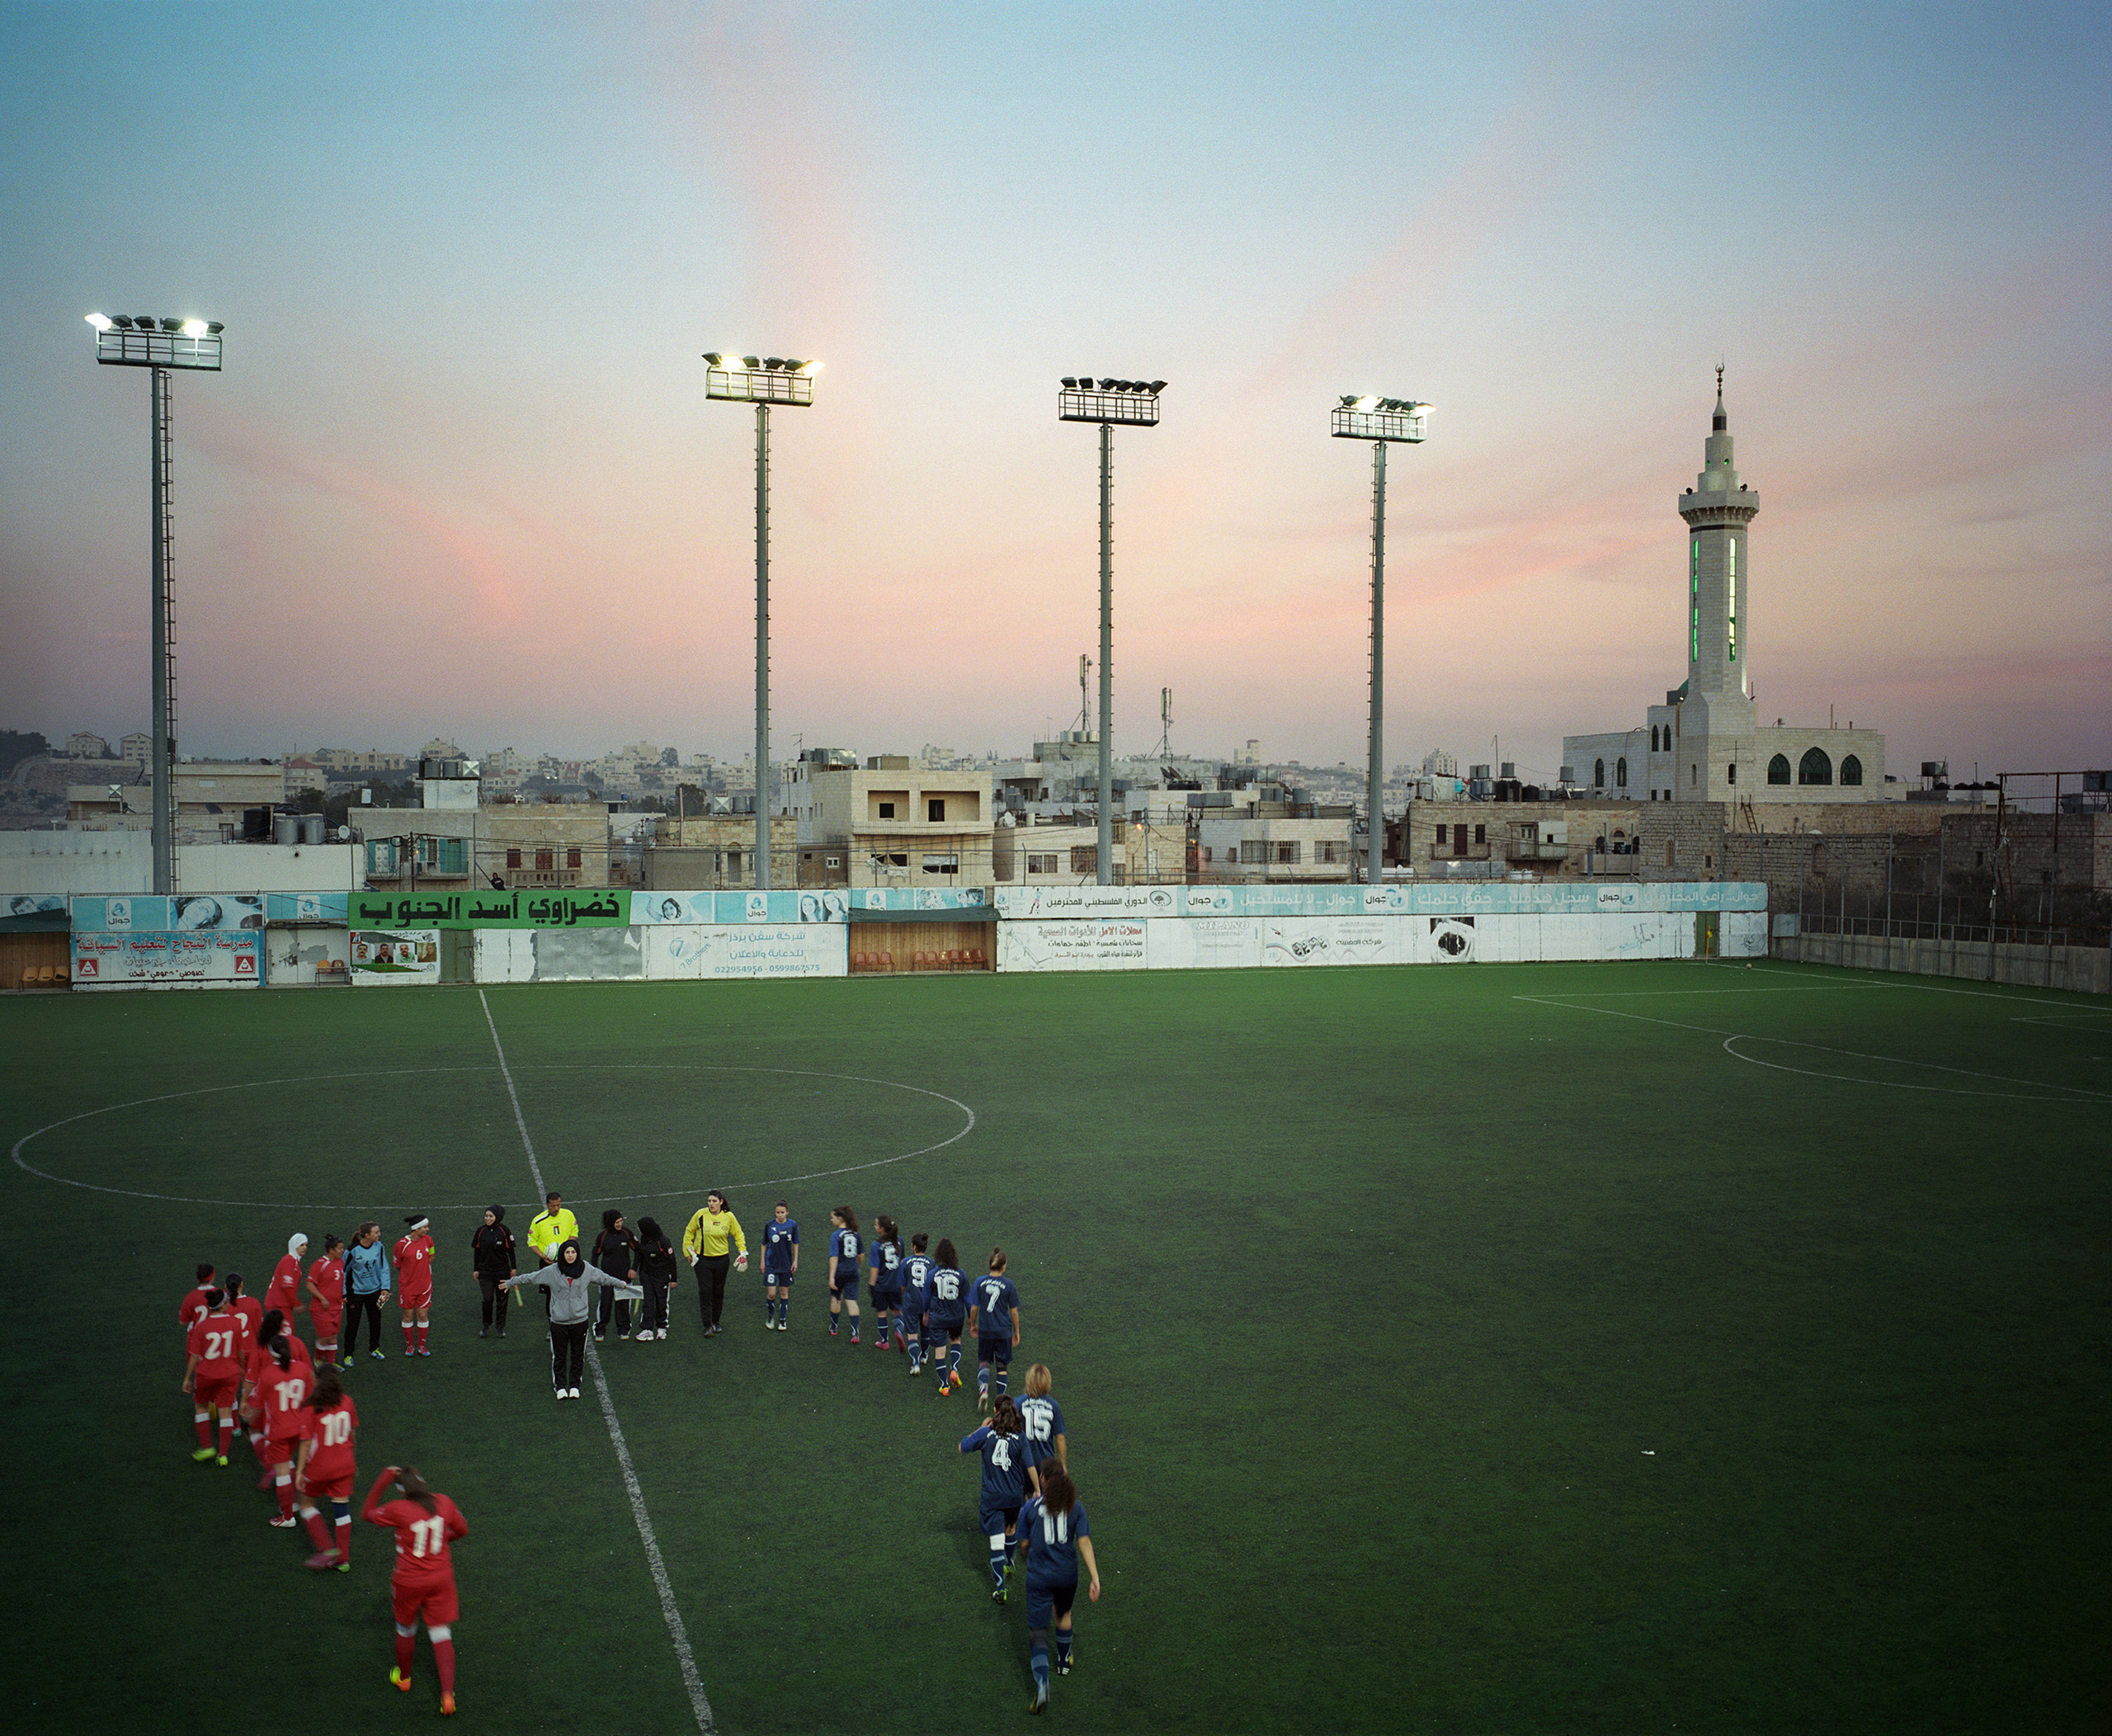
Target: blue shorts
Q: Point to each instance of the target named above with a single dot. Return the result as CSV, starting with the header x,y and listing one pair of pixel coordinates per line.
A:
x,y
844,1288
938,1329
1044,1595
997,1519
782,1280
886,1300
998,1350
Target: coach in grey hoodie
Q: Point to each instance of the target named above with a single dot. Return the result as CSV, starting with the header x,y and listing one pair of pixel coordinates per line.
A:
x,y
571,1282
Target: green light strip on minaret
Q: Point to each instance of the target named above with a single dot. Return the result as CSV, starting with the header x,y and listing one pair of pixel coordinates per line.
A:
x,y
1693,602
1733,598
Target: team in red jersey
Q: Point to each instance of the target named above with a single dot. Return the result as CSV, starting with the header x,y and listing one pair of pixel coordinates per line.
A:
x,y
425,1522
218,1346
323,1467
413,1258
281,1376
285,1291
326,1298
193,1307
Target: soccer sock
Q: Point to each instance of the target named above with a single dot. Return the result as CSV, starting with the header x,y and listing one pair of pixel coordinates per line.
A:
x,y
202,1421
285,1489
317,1532
424,1326
997,1560
1063,1645
340,1512
443,1656
953,1361
327,1351
406,1338
982,1380
1012,1550
1004,1379
403,1650
1040,1658
227,1433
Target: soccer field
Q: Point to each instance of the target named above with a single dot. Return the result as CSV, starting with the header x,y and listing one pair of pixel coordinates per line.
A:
x,y
1622,1347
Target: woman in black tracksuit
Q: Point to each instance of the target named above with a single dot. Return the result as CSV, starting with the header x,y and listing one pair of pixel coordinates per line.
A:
x,y
615,1252
493,1246
656,1269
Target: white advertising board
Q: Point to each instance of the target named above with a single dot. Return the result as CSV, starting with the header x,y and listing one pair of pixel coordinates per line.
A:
x,y
1743,935
145,958
1044,903
1331,940
1201,943
1118,945
692,952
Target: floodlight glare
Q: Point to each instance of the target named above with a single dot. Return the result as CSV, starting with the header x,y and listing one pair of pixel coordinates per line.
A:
x,y
1366,404
194,329
99,321
810,368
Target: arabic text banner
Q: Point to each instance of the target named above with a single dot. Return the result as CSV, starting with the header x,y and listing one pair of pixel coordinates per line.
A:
x,y
589,907
168,958
1116,945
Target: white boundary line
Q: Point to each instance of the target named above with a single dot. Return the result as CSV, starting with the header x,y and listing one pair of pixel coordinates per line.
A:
x,y
1850,1079
675,1631
133,1193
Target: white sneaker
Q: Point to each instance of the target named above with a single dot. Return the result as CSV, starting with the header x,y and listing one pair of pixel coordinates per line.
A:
x,y
575,1392
561,1395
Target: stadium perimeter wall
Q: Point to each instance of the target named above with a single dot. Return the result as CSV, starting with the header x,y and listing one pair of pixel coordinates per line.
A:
x,y
140,942
2083,969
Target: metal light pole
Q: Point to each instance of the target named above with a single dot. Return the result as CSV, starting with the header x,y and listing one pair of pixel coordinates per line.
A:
x,y
1381,421
160,344
1135,403
761,381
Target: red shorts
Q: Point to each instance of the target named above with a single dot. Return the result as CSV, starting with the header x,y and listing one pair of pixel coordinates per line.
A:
x,y
423,1300
336,1488
216,1394
325,1324
280,1452
435,1597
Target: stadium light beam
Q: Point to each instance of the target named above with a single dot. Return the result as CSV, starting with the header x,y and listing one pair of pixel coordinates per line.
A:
x,y
745,379
1076,400
161,345
1383,421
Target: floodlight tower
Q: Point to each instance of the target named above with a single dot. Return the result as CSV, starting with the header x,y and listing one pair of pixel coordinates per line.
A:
x,y
1135,403
160,344
1381,421
761,381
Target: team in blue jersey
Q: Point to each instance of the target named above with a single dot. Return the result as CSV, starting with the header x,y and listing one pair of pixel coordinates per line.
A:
x,y
915,1270
1055,1534
843,1268
1004,1487
886,1280
945,1309
780,1261
993,1316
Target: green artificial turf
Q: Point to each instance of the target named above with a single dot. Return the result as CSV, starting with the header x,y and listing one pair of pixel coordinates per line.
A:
x,y
1490,1349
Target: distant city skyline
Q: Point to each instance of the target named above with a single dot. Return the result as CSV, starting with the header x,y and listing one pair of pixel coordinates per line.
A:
x,y
460,469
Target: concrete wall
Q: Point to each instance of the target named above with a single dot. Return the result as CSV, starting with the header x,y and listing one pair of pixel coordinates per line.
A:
x,y
2084,969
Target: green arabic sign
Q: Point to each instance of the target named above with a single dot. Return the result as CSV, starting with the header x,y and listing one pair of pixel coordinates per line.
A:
x,y
593,907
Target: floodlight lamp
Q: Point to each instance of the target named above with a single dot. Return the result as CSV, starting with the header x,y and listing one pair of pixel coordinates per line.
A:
x,y
773,364
145,322
1156,387
100,322
750,361
194,329
1070,382
170,325
713,358
214,327
123,322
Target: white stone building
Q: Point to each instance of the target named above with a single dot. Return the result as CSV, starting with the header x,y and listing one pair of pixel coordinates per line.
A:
x,y
1705,742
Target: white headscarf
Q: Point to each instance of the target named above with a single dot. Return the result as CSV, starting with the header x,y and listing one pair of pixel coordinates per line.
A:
x,y
296,1243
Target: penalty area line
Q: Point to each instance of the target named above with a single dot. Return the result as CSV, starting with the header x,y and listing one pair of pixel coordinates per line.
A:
x,y
676,1631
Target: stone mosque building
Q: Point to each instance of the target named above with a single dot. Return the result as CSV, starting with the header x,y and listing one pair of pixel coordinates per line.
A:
x,y
1705,742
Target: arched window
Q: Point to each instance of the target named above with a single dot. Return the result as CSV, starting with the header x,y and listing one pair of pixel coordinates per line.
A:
x,y
1851,770
1653,737
1814,767
1620,772
1598,774
1778,769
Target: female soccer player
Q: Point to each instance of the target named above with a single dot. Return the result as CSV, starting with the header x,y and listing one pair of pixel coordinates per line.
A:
x,y
843,1267
425,1522
615,1250
248,1307
1041,1425
414,1279
570,1284
284,1290
366,1291
945,1306
219,1346
494,1260
994,1319
886,1282
656,1269
1004,1486
322,1469
193,1307
1052,1527
704,1245
915,1270
278,1396
326,1298
780,1264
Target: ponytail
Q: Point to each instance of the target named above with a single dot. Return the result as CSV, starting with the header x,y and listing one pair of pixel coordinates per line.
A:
x,y
408,1480
1058,1493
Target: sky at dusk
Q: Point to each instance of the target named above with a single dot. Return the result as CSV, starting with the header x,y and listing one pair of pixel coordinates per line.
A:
x,y
460,475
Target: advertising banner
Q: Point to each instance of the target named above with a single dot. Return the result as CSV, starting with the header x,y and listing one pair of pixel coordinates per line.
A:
x,y
1331,940
1071,946
1032,903
920,898
768,949
1202,942
829,904
164,958
395,957
23,911
187,912
328,909
1446,898
589,907
589,955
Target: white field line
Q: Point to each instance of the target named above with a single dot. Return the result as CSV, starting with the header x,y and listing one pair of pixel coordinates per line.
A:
x,y
2074,1092
1891,979
676,1632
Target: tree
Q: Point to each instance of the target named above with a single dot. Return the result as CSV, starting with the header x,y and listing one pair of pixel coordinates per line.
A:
x,y
17,745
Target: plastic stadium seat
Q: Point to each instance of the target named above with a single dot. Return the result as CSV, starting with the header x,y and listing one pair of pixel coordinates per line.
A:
x,y
975,957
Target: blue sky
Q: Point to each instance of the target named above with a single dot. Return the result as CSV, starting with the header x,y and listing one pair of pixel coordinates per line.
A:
x,y
460,475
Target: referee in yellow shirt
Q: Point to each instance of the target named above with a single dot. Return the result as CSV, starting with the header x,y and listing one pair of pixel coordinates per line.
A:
x,y
704,1245
548,1231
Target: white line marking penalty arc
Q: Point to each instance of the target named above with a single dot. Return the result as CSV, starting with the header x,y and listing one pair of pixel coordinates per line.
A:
x,y
1850,1079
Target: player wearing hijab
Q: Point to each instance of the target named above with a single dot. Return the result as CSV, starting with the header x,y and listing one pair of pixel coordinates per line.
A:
x,y
284,1290
657,1268
993,1317
218,1344
278,1395
843,1267
915,1270
946,1307
323,1470
570,1284
423,1583
886,1283
414,1279
1041,1424
780,1264
1004,1486
494,1259
326,1300
615,1250
1054,1531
